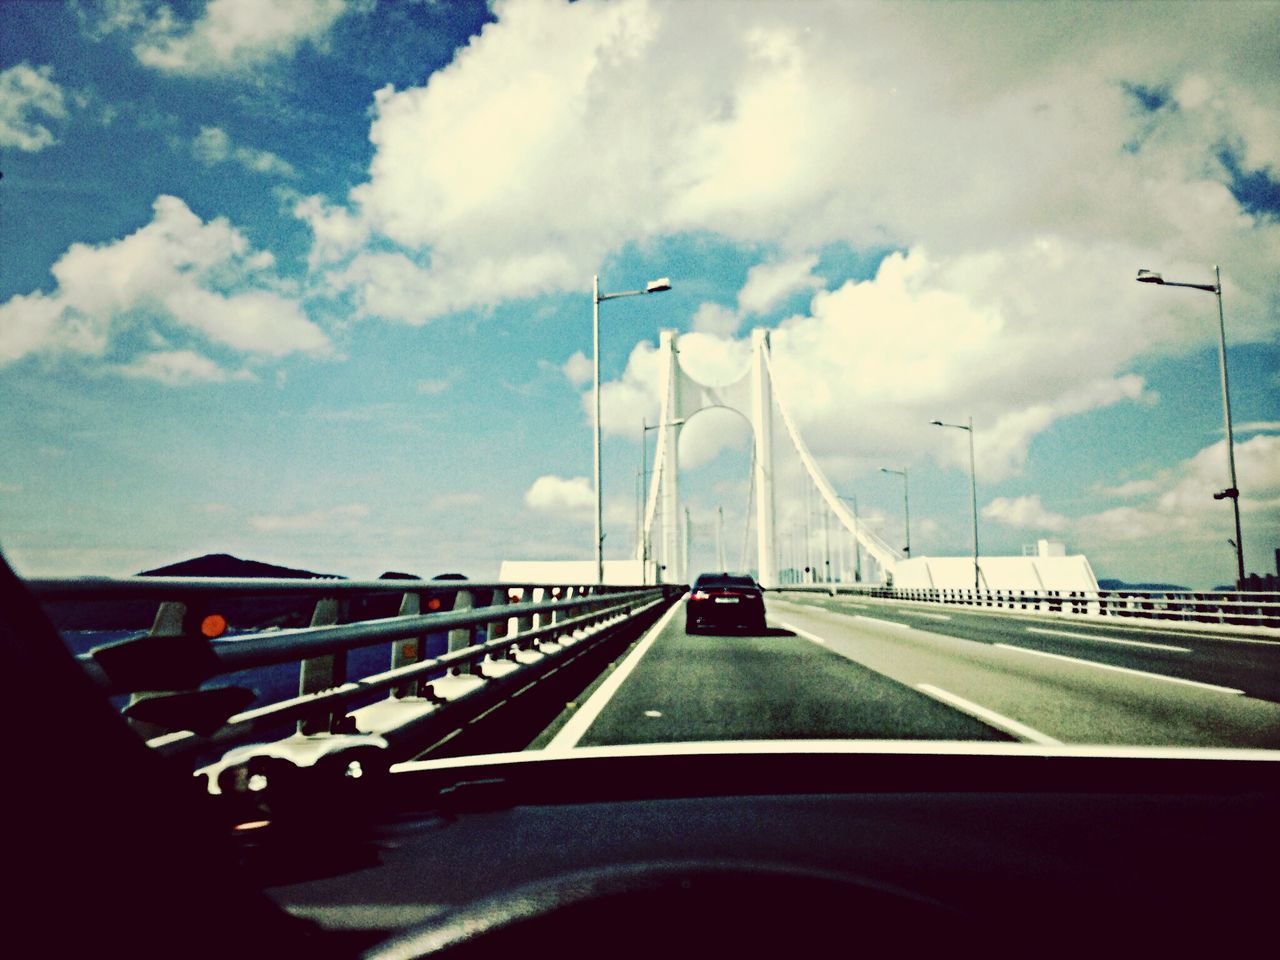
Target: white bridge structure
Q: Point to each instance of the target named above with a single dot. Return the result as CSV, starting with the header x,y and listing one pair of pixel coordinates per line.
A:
x,y
662,550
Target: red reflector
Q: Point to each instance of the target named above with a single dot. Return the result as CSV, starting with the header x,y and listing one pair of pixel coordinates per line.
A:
x,y
214,625
433,603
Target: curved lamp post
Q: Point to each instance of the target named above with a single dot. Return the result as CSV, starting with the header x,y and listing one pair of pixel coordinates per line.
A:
x,y
973,486
654,286
1232,492
906,504
644,486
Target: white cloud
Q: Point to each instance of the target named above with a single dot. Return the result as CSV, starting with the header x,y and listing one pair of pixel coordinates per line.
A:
x,y
177,273
928,339
768,284
212,146
29,99
552,494
804,125
1025,513
715,319
1185,521
230,35
177,368
344,517
578,369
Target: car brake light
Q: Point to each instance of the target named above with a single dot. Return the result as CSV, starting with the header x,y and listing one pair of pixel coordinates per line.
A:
x,y
701,595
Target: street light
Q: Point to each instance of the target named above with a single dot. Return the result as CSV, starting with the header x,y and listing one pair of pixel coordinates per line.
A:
x,y
644,481
906,504
654,286
1232,492
973,486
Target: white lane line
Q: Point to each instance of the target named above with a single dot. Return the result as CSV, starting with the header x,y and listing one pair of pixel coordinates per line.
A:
x,y
921,613
1136,673
800,632
569,735
1127,643
990,717
883,623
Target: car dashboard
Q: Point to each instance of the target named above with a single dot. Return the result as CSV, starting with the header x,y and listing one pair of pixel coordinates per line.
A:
x,y
758,847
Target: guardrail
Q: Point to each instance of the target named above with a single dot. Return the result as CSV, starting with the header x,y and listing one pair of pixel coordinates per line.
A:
x,y
454,647
1233,608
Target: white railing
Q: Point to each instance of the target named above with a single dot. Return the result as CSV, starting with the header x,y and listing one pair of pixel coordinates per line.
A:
x,y
1233,608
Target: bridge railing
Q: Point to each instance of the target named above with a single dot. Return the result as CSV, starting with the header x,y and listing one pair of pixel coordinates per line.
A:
x,y
1235,608
377,666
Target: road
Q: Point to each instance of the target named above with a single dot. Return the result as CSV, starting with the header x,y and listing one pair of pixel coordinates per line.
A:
x,y
836,667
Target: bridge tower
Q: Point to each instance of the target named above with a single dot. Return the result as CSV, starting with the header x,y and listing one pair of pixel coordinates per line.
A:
x,y
682,397
757,398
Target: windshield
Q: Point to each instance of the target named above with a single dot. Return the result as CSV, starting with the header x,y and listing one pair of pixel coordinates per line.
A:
x,y
955,327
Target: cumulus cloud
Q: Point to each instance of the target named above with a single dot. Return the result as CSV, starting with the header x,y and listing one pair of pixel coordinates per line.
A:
x,y
578,369
551,494
29,99
770,283
1025,513
927,339
1182,516
228,36
178,274
177,368
805,125
213,146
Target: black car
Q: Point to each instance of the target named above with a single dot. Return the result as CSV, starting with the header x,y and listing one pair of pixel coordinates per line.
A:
x,y
725,600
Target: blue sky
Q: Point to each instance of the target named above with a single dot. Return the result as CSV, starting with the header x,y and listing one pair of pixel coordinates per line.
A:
x,y
310,282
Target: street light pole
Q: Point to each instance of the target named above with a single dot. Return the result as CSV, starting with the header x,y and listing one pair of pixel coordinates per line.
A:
x,y
654,286
1232,492
973,487
644,486
906,504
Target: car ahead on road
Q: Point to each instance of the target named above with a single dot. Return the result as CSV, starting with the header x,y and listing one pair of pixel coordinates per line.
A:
x,y
724,601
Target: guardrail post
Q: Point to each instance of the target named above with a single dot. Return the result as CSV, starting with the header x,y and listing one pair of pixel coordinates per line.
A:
x,y
323,673
170,620
405,652
524,622
461,638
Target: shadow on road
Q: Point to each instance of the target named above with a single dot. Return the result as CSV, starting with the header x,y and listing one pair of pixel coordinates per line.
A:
x,y
767,632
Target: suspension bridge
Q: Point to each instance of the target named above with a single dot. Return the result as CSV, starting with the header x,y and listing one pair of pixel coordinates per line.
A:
x,y
260,684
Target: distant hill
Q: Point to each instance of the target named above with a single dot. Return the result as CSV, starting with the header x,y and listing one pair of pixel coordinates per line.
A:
x,y
1150,587
225,565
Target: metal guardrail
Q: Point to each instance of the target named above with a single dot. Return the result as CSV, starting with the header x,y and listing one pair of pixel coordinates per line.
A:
x,y
1233,608
207,628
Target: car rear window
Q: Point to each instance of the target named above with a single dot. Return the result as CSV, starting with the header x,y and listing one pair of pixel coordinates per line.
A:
x,y
724,580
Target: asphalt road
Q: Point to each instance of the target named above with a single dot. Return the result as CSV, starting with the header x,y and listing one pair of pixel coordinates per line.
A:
x,y
846,668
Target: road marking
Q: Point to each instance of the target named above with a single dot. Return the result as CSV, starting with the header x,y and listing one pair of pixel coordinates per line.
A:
x,y
1127,643
572,732
883,623
921,613
997,720
800,632
1138,673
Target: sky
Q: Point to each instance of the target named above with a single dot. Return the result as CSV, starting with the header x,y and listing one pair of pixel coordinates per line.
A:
x,y
310,283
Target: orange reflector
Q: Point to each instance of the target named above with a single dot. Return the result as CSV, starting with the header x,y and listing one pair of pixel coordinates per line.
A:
x,y
409,650
433,603
214,625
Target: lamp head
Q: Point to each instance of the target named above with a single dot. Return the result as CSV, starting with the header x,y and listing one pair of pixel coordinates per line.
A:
x,y
937,423
657,286
1149,276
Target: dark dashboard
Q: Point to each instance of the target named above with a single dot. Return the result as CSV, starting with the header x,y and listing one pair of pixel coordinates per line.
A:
x,y
628,853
